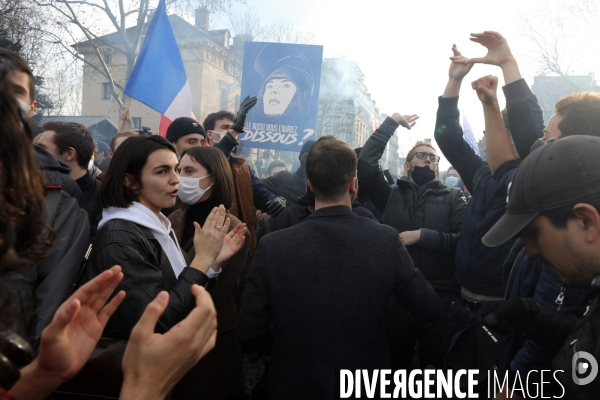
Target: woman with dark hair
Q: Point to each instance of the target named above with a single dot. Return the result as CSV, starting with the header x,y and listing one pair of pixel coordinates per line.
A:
x,y
142,179
69,339
206,181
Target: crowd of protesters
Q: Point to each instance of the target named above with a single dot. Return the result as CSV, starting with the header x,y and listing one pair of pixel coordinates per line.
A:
x,y
145,268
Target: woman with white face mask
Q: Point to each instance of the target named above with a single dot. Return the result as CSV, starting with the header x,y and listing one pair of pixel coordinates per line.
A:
x,y
205,180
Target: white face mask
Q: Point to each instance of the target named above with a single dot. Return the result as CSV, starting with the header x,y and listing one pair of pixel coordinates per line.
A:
x,y
190,191
24,108
91,164
219,134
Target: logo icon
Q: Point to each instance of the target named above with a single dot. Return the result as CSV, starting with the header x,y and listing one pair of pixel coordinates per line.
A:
x,y
584,363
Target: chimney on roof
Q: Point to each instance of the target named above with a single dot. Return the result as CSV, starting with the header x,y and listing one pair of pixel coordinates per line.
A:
x,y
202,18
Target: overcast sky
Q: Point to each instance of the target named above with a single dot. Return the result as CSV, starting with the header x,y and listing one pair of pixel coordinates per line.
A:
x,y
403,47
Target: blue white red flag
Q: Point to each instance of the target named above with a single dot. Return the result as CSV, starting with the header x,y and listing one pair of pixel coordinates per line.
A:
x,y
158,78
469,136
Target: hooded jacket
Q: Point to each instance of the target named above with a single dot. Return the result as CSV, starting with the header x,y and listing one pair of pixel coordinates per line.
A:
x,y
434,208
144,248
57,174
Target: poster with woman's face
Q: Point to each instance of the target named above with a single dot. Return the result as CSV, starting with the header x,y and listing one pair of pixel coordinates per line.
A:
x,y
285,78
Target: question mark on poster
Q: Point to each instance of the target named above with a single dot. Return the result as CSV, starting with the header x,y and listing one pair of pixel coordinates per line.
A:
x,y
309,134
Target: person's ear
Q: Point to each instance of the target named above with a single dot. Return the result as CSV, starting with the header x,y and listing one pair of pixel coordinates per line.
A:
x,y
110,153
310,186
353,185
32,108
130,182
589,221
71,154
407,166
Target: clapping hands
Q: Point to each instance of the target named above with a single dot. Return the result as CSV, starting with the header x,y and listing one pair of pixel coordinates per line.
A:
x,y
208,240
233,242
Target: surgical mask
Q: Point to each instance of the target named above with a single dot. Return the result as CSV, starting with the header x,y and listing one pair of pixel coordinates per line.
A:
x,y
24,108
452,181
190,191
422,175
91,164
219,134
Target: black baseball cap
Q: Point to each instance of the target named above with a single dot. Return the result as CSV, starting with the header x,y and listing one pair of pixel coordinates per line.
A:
x,y
558,174
183,126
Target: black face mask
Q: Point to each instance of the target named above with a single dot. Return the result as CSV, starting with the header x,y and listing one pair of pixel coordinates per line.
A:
x,y
422,175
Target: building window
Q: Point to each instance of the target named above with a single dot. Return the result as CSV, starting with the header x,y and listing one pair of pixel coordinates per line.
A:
x,y
106,91
137,122
108,59
237,103
226,66
224,99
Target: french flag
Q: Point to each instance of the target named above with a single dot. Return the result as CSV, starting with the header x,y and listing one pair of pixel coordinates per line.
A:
x,y
158,78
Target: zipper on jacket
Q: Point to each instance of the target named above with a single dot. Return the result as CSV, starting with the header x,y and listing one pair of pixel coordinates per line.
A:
x,y
560,299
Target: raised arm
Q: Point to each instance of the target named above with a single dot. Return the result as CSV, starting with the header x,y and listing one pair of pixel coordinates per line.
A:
x,y
497,139
524,113
370,176
498,54
448,131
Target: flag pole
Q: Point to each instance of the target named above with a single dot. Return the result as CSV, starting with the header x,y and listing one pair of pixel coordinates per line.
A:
x,y
125,110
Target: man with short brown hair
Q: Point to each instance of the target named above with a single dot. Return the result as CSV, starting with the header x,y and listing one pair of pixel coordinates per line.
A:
x,y
326,295
72,144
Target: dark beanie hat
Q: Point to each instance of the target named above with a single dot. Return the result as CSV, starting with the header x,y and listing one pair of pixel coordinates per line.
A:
x,y
307,146
183,126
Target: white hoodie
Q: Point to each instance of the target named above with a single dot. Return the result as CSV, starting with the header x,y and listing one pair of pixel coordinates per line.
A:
x,y
160,226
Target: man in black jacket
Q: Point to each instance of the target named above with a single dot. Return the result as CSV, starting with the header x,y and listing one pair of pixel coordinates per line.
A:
x,y
428,215
326,296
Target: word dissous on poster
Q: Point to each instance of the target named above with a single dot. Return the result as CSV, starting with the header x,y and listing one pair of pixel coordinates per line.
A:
x,y
285,78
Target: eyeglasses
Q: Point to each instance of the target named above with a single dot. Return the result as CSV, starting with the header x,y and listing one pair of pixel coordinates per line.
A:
x,y
421,155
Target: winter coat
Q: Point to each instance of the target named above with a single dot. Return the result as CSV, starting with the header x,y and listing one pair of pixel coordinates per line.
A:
x,y
478,267
532,278
434,208
146,270
38,290
326,297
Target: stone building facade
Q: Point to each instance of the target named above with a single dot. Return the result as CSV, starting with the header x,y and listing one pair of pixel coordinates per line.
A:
x,y
213,69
